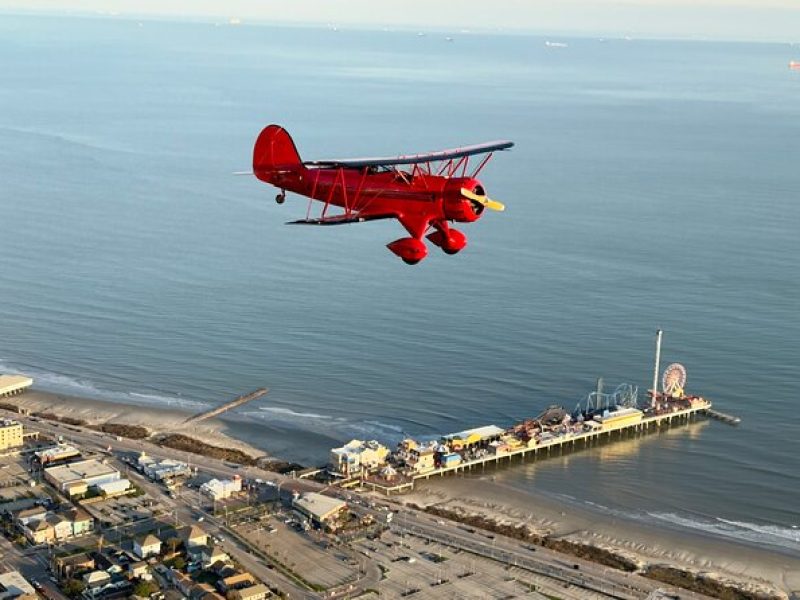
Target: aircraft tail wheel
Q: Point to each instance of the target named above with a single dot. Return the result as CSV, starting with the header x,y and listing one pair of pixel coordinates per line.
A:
x,y
280,198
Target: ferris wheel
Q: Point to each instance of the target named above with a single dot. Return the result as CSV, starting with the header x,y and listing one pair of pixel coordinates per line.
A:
x,y
674,380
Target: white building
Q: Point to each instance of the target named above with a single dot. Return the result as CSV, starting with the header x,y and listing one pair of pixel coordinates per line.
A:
x,y
74,478
219,489
114,488
161,470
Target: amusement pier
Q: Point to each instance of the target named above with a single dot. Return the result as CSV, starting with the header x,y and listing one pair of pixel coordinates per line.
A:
x,y
603,417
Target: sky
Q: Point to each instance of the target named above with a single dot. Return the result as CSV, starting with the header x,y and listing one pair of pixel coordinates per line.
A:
x,y
761,20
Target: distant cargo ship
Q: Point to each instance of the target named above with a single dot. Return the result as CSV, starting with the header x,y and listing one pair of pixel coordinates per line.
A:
x,y
794,65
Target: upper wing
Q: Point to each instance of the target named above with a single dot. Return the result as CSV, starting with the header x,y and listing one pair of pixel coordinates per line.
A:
x,y
412,159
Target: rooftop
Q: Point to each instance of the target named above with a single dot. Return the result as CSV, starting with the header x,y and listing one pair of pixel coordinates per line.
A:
x,y
485,432
319,505
77,471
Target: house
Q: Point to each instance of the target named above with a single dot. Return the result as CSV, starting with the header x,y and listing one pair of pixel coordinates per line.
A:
x,y
255,592
39,532
40,525
66,566
147,546
62,527
235,582
139,570
211,555
14,585
182,582
96,579
193,536
82,522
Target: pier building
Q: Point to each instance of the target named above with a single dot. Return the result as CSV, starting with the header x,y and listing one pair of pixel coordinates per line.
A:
x,y
357,455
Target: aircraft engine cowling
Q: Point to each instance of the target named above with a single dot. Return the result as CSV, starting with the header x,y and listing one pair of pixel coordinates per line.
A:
x,y
457,207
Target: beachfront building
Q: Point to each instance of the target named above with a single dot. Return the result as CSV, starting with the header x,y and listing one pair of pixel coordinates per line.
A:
x,y
57,454
14,586
321,510
75,479
219,489
163,470
421,459
357,456
11,385
10,434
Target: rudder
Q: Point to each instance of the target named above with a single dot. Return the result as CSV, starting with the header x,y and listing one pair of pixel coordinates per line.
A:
x,y
274,151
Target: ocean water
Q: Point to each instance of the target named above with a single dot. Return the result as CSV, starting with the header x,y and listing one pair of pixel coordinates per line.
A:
x,y
654,184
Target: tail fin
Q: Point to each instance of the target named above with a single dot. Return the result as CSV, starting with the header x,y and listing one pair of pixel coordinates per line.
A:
x,y
274,151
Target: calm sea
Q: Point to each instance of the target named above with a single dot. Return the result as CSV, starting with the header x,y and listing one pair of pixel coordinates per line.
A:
x,y
654,184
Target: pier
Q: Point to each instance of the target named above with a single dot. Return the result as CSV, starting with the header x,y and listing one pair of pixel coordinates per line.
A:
x,y
235,403
567,441
724,417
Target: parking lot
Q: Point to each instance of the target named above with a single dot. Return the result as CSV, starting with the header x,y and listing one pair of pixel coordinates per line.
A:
x,y
124,509
302,552
414,568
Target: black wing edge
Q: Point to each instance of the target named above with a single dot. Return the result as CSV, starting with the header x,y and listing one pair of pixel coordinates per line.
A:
x,y
413,159
341,220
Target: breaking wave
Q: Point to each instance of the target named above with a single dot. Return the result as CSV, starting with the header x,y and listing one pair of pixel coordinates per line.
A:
x,y
58,383
773,535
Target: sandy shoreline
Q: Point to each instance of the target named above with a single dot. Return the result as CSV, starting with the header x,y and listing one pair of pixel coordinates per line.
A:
x,y
748,565
154,419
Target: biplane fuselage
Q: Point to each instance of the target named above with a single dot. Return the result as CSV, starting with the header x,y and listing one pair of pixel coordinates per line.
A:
x,y
422,198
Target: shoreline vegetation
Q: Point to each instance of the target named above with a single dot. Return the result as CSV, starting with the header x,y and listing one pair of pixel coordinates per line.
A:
x,y
724,570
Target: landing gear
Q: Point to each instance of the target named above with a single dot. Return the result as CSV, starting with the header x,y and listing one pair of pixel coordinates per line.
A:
x,y
281,198
411,250
450,240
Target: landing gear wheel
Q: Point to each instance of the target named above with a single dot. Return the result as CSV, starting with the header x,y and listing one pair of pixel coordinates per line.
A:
x,y
280,198
410,261
451,252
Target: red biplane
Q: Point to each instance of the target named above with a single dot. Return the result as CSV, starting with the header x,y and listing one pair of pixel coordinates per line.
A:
x,y
436,190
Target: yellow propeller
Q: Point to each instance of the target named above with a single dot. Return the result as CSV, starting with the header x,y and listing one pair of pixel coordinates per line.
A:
x,y
483,200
